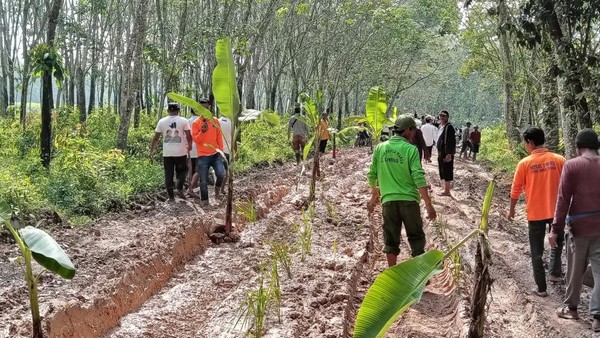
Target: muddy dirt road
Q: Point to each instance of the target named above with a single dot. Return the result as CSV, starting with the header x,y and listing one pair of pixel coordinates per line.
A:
x,y
154,272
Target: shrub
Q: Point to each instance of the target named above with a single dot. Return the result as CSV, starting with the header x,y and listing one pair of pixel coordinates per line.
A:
x,y
496,150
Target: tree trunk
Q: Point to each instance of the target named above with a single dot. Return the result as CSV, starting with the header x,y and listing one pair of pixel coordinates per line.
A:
x,y
92,103
550,111
510,115
26,61
573,99
81,94
132,78
46,133
568,120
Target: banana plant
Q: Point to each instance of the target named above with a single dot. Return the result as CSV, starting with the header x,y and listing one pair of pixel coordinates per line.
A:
x,y
37,244
228,100
375,117
313,121
400,286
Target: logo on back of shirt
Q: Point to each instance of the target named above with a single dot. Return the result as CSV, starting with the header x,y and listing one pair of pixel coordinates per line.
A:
x,y
173,125
539,168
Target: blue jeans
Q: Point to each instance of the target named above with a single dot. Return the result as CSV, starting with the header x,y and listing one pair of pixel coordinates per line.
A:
x,y
204,162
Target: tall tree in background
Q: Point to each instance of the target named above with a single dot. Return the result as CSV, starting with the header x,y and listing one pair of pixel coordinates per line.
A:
x,y
46,133
132,71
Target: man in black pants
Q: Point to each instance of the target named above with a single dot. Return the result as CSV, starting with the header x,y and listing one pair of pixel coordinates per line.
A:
x,y
175,149
446,146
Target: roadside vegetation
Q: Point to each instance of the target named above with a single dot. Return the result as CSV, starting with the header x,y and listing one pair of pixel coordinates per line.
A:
x,y
89,176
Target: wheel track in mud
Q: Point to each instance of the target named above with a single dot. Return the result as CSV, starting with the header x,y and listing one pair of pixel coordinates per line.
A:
x,y
315,299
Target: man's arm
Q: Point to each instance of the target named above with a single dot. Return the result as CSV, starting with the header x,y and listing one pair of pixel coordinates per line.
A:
x,y
188,136
563,202
154,143
516,190
372,179
431,214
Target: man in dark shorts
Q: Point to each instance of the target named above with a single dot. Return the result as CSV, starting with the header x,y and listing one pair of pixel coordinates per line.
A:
x,y
398,180
446,146
476,141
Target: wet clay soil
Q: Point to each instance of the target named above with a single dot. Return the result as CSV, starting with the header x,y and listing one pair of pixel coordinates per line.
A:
x,y
155,272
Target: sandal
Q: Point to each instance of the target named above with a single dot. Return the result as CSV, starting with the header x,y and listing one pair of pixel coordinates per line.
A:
x,y
566,313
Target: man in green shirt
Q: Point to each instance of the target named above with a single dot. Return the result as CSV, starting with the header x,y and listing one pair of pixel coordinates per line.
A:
x,y
398,180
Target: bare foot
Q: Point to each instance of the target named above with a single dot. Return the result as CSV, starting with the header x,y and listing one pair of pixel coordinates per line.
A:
x,y
445,194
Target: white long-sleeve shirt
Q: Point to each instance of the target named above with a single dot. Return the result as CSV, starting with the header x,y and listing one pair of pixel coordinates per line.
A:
x,y
430,133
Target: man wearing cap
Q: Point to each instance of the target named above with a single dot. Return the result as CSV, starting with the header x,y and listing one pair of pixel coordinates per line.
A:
x,y
446,147
175,150
578,209
539,175
209,144
475,141
397,180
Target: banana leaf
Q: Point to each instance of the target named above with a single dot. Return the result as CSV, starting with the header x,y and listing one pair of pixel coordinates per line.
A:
x,y
5,212
311,110
376,108
223,81
307,147
197,107
47,252
487,203
393,292
271,118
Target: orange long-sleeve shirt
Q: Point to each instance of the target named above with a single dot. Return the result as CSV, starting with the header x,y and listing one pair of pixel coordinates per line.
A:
x,y
207,136
539,175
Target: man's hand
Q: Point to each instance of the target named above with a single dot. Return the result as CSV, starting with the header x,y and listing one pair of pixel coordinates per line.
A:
x,y
431,214
511,214
448,158
552,238
371,205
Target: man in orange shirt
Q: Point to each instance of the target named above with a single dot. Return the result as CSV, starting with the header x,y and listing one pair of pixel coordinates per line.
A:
x,y
207,135
539,175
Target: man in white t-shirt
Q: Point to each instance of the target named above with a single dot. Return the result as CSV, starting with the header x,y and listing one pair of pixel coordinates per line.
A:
x,y
175,149
430,134
227,132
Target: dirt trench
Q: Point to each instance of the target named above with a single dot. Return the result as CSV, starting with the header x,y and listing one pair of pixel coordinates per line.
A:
x,y
154,273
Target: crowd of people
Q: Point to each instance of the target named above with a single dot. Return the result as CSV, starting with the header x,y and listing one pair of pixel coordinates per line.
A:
x,y
560,199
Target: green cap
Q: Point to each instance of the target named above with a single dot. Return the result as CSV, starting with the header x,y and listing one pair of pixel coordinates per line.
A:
x,y
404,122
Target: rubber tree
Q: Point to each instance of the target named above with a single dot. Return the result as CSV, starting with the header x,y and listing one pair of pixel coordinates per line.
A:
x,y
132,75
55,66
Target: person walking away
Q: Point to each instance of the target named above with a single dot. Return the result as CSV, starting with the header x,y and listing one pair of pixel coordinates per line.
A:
x,y
578,209
227,132
417,140
466,142
429,136
539,175
324,129
192,161
475,141
175,151
397,180
299,130
209,141
446,147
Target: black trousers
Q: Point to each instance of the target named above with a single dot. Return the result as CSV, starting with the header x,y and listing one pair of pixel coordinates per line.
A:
x,y
175,166
537,233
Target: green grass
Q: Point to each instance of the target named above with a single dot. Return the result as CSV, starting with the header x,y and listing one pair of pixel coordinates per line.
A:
x,y
496,151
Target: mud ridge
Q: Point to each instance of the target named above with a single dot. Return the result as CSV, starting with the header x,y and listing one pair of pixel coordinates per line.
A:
x,y
75,320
